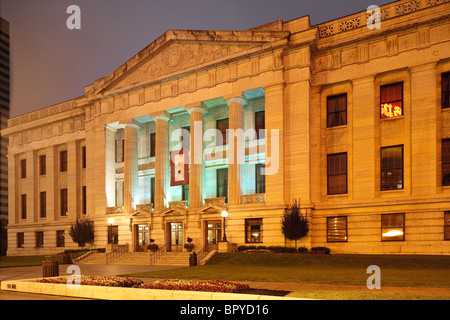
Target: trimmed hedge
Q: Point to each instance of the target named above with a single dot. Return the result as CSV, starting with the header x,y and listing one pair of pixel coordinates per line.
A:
x,y
281,249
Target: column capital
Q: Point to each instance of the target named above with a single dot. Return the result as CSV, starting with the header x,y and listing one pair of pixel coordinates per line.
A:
x,y
162,115
196,107
235,98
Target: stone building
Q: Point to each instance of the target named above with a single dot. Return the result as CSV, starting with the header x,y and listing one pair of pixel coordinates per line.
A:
x,y
4,116
351,119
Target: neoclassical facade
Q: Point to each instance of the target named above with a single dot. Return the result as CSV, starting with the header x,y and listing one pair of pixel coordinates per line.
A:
x,y
351,120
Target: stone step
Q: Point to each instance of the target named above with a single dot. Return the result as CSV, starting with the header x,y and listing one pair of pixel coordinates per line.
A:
x,y
140,258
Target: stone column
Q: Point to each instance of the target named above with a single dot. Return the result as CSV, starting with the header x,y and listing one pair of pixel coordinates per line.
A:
x,y
162,157
131,171
196,167
236,149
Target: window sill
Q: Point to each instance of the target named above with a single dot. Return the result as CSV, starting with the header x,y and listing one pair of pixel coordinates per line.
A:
x,y
341,195
392,119
343,127
392,191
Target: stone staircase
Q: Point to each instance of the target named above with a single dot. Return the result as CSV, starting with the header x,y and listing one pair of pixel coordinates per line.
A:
x,y
93,258
140,258
174,259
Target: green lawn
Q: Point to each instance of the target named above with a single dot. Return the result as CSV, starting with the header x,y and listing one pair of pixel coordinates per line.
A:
x,y
355,295
22,261
396,270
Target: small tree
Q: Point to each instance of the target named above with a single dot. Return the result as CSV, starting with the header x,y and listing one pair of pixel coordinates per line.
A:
x,y
293,224
82,232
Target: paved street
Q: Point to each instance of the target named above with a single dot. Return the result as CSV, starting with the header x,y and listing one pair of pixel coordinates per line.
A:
x,y
86,269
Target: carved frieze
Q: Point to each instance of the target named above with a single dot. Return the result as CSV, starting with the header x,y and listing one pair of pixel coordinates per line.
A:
x,y
178,57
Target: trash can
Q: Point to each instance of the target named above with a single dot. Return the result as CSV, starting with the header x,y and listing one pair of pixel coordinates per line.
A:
x,y
50,268
192,259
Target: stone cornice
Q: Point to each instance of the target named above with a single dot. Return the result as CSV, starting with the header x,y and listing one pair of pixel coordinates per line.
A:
x,y
387,12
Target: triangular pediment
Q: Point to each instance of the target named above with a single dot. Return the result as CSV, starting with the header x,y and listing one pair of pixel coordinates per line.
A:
x,y
178,51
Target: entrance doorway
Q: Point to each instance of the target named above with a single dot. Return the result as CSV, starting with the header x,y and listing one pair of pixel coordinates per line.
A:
x,y
142,240
176,236
213,234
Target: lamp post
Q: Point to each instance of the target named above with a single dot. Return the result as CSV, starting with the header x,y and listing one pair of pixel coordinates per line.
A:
x,y
224,214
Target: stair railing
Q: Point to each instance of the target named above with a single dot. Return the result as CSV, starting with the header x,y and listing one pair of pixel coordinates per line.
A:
x,y
158,254
122,249
201,254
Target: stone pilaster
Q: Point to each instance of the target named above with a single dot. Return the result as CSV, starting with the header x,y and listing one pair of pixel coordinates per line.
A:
x,y
162,157
131,171
274,166
197,165
73,176
236,149
363,120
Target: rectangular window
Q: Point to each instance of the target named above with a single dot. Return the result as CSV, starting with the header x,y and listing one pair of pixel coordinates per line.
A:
x,y
23,168
391,100
186,132
43,204
260,182
152,144
83,157
446,162
222,183
337,173
120,147
185,193
393,227
447,225
39,239
23,206
63,161
60,238
20,240
337,110
392,168
260,124
84,201
113,234
152,191
337,229
63,205
253,230
42,165
222,125
445,93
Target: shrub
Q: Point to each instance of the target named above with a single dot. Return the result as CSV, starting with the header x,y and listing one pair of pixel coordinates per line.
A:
x,y
302,249
82,232
294,225
324,249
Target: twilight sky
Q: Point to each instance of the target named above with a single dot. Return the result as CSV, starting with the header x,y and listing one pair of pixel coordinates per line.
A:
x,y
51,64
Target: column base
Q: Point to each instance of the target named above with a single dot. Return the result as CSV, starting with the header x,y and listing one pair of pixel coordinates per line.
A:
x,y
227,247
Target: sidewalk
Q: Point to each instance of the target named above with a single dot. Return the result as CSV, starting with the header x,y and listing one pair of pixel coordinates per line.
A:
x,y
113,270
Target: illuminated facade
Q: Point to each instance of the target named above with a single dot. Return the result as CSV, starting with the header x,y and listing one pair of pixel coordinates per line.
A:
x,y
353,121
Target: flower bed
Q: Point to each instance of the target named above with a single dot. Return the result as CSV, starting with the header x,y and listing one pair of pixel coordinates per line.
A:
x,y
99,281
187,285
201,285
